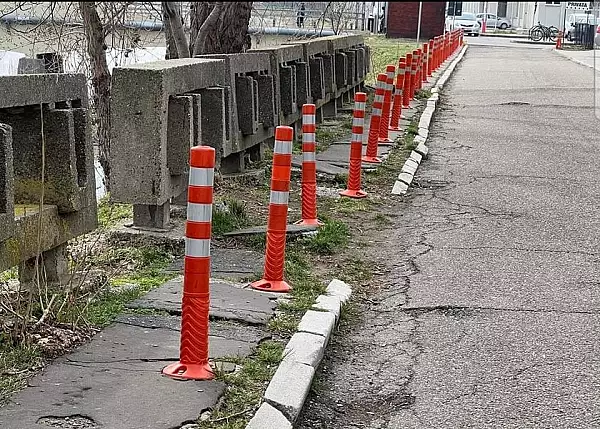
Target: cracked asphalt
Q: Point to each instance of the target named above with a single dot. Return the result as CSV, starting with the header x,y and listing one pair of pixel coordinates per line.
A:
x,y
486,309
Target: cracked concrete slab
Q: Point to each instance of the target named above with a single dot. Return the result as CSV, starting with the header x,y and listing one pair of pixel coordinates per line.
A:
x,y
229,263
227,301
105,379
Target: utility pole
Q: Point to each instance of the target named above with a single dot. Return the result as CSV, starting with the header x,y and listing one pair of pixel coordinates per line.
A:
x,y
419,23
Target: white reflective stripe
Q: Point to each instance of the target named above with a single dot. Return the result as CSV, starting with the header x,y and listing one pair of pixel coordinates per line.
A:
x,y
308,138
282,147
199,212
398,91
360,105
279,197
308,119
198,248
376,112
357,137
378,98
309,156
358,122
202,176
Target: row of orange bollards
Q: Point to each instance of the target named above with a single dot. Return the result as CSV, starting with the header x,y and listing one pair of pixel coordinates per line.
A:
x,y
394,90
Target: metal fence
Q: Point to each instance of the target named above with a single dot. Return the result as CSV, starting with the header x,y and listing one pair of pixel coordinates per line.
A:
x,y
584,35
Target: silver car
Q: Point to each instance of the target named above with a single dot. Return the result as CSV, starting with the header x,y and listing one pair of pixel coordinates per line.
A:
x,y
493,21
466,21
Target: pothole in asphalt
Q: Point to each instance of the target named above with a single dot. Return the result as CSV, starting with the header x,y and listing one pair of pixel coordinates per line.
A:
x,y
68,422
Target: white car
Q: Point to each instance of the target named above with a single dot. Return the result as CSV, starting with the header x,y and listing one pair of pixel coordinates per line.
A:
x,y
466,21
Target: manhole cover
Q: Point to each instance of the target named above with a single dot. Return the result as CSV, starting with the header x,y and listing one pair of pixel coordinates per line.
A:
x,y
69,422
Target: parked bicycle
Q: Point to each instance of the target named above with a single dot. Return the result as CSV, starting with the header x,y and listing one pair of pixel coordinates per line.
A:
x,y
541,32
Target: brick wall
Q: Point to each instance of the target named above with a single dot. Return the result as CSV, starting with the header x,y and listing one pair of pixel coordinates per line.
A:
x,y
404,16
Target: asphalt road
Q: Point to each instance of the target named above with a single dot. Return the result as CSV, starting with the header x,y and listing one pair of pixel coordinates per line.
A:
x,y
486,312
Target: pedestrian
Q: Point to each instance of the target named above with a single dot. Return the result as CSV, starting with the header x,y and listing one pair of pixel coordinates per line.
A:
x,y
300,16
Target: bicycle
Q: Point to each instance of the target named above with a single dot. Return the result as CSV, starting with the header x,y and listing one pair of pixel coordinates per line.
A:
x,y
539,32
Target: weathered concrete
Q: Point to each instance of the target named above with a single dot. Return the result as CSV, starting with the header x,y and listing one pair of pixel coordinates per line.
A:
x,y
305,348
318,323
330,303
399,188
406,177
289,387
268,417
227,301
58,103
291,229
105,379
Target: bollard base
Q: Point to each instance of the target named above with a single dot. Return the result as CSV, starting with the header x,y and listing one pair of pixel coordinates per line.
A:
x,y
371,159
394,129
182,371
353,194
309,222
271,285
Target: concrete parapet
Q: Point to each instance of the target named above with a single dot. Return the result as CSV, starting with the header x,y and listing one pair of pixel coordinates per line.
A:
x,y
58,105
232,102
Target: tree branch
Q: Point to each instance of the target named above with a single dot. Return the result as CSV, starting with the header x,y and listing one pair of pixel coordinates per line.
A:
x,y
199,45
176,29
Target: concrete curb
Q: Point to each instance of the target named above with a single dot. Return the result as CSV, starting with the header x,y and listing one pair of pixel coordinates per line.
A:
x,y
285,395
562,54
411,165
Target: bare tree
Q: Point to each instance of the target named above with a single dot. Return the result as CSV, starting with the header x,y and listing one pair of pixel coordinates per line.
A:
x,y
95,35
215,28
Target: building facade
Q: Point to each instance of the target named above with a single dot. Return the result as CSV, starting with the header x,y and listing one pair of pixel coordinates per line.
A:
x,y
524,15
403,19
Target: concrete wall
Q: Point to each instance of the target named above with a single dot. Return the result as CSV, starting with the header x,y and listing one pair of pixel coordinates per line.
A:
x,y
231,102
59,104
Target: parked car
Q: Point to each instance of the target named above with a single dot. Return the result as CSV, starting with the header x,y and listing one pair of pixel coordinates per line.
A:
x,y
493,21
466,21
597,38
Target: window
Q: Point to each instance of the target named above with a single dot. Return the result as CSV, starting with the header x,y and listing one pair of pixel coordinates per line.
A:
x,y
553,3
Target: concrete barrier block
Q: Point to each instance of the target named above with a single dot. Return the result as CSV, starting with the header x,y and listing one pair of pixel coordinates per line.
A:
x,y
266,100
245,99
317,79
289,387
333,304
409,168
287,75
7,200
406,178
305,348
268,417
416,156
422,149
180,132
340,289
341,72
302,83
318,323
399,188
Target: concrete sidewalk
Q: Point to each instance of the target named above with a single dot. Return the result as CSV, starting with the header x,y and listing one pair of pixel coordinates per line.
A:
x,y
488,313
586,58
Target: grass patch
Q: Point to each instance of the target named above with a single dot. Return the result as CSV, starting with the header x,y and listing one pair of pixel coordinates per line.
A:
x,y
228,215
109,214
17,363
10,274
244,387
385,51
147,264
423,94
355,271
330,237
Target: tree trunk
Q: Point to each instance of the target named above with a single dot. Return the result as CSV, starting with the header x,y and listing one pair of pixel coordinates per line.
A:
x,y
96,49
175,32
225,32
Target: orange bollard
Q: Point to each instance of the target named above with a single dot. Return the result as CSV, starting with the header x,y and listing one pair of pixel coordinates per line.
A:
x,y
436,43
372,143
430,58
272,280
384,125
397,108
407,82
354,168
193,352
559,40
309,167
413,76
418,77
425,72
